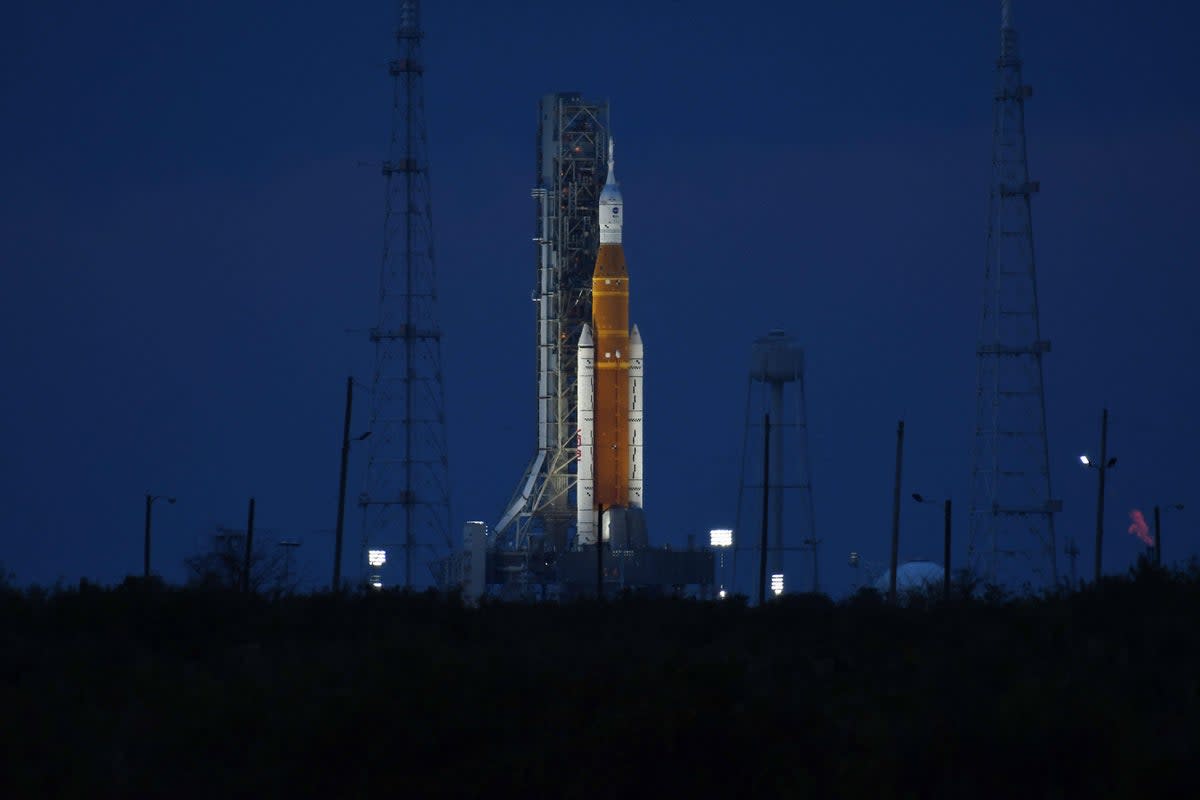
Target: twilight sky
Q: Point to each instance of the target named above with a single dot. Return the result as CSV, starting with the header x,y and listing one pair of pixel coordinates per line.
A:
x,y
188,232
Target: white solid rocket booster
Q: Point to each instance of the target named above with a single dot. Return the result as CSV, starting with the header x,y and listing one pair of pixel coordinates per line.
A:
x,y
585,370
636,397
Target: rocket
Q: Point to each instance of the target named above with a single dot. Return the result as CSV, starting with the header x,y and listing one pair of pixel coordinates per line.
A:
x,y
609,372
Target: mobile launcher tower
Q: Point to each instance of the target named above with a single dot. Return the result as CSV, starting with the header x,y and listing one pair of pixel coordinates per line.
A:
x,y
572,145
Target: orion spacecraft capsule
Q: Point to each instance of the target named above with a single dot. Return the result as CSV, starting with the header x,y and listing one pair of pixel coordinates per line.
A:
x,y
610,394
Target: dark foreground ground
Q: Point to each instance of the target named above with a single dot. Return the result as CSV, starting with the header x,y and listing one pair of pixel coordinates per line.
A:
x,y
151,691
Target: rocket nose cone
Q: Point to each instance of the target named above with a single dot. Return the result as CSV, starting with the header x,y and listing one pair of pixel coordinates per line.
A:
x,y
585,336
611,193
635,336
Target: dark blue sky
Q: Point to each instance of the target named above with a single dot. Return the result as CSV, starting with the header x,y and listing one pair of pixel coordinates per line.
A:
x,y
186,235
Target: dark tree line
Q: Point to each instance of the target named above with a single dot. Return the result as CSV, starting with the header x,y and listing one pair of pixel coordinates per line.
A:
x,y
149,690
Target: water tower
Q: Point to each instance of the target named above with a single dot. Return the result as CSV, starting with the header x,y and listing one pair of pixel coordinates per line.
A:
x,y
775,466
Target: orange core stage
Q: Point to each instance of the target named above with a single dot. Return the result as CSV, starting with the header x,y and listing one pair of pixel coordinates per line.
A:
x,y
610,319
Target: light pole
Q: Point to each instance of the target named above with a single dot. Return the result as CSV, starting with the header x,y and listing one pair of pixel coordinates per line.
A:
x,y
341,514
721,539
945,542
811,544
150,498
762,552
248,557
375,560
1158,531
1103,466
896,513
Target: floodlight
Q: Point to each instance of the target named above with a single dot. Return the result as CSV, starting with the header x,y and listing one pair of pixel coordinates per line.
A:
x,y
722,594
1083,459
777,584
377,584
376,558
720,537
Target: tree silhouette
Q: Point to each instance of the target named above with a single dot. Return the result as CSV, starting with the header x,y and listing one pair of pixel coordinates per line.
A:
x,y
223,566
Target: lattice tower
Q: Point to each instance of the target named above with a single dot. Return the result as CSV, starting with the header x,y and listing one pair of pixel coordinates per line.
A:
x,y
406,499
1012,508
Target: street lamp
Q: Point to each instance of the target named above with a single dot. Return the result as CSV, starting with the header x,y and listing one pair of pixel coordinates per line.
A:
x,y
1103,466
945,541
150,498
1158,531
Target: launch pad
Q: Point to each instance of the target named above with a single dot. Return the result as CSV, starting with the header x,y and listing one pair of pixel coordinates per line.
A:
x,y
549,575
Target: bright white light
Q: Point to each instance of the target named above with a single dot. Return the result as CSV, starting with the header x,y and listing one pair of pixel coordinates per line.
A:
x,y
720,537
777,584
377,584
722,594
1087,462
377,558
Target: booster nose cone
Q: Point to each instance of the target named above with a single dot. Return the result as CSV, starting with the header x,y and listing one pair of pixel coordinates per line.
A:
x,y
611,204
585,336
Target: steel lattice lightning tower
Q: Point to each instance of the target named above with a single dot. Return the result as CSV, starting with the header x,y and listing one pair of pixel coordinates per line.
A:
x,y
1012,508
406,500
572,148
